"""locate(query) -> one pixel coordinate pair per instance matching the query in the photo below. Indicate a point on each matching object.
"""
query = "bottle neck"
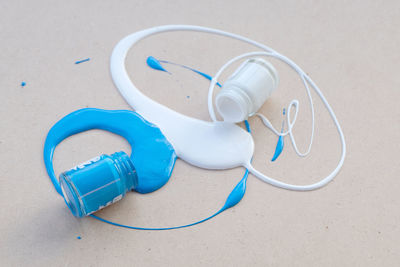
(233, 103)
(127, 169)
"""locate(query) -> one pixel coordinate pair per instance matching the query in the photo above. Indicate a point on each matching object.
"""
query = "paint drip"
(280, 144)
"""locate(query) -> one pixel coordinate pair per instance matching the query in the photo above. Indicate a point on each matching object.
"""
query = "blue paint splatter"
(79, 237)
(23, 84)
(81, 61)
(153, 63)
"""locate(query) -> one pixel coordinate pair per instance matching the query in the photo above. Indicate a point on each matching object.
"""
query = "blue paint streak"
(234, 198)
(23, 84)
(208, 77)
(152, 155)
(153, 229)
(153, 63)
(205, 75)
(81, 61)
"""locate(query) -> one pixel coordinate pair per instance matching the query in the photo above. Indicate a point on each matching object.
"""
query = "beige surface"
(350, 48)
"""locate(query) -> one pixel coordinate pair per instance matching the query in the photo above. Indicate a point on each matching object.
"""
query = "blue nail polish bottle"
(97, 183)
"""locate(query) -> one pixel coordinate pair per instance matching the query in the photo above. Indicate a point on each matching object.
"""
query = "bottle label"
(86, 163)
(117, 198)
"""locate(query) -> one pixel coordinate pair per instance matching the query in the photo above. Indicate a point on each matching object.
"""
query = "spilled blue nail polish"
(153, 63)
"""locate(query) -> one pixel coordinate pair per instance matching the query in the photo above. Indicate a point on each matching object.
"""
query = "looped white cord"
(268, 124)
(290, 123)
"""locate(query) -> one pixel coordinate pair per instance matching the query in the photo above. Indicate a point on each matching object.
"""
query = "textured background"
(349, 48)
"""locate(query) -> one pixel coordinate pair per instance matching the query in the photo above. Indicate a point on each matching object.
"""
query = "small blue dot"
(79, 237)
(23, 84)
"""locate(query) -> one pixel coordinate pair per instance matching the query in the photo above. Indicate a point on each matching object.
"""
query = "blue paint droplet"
(278, 149)
(153, 63)
(188, 96)
(237, 193)
(23, 84)
(284, 111)
(79, 237)
(81, 61)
